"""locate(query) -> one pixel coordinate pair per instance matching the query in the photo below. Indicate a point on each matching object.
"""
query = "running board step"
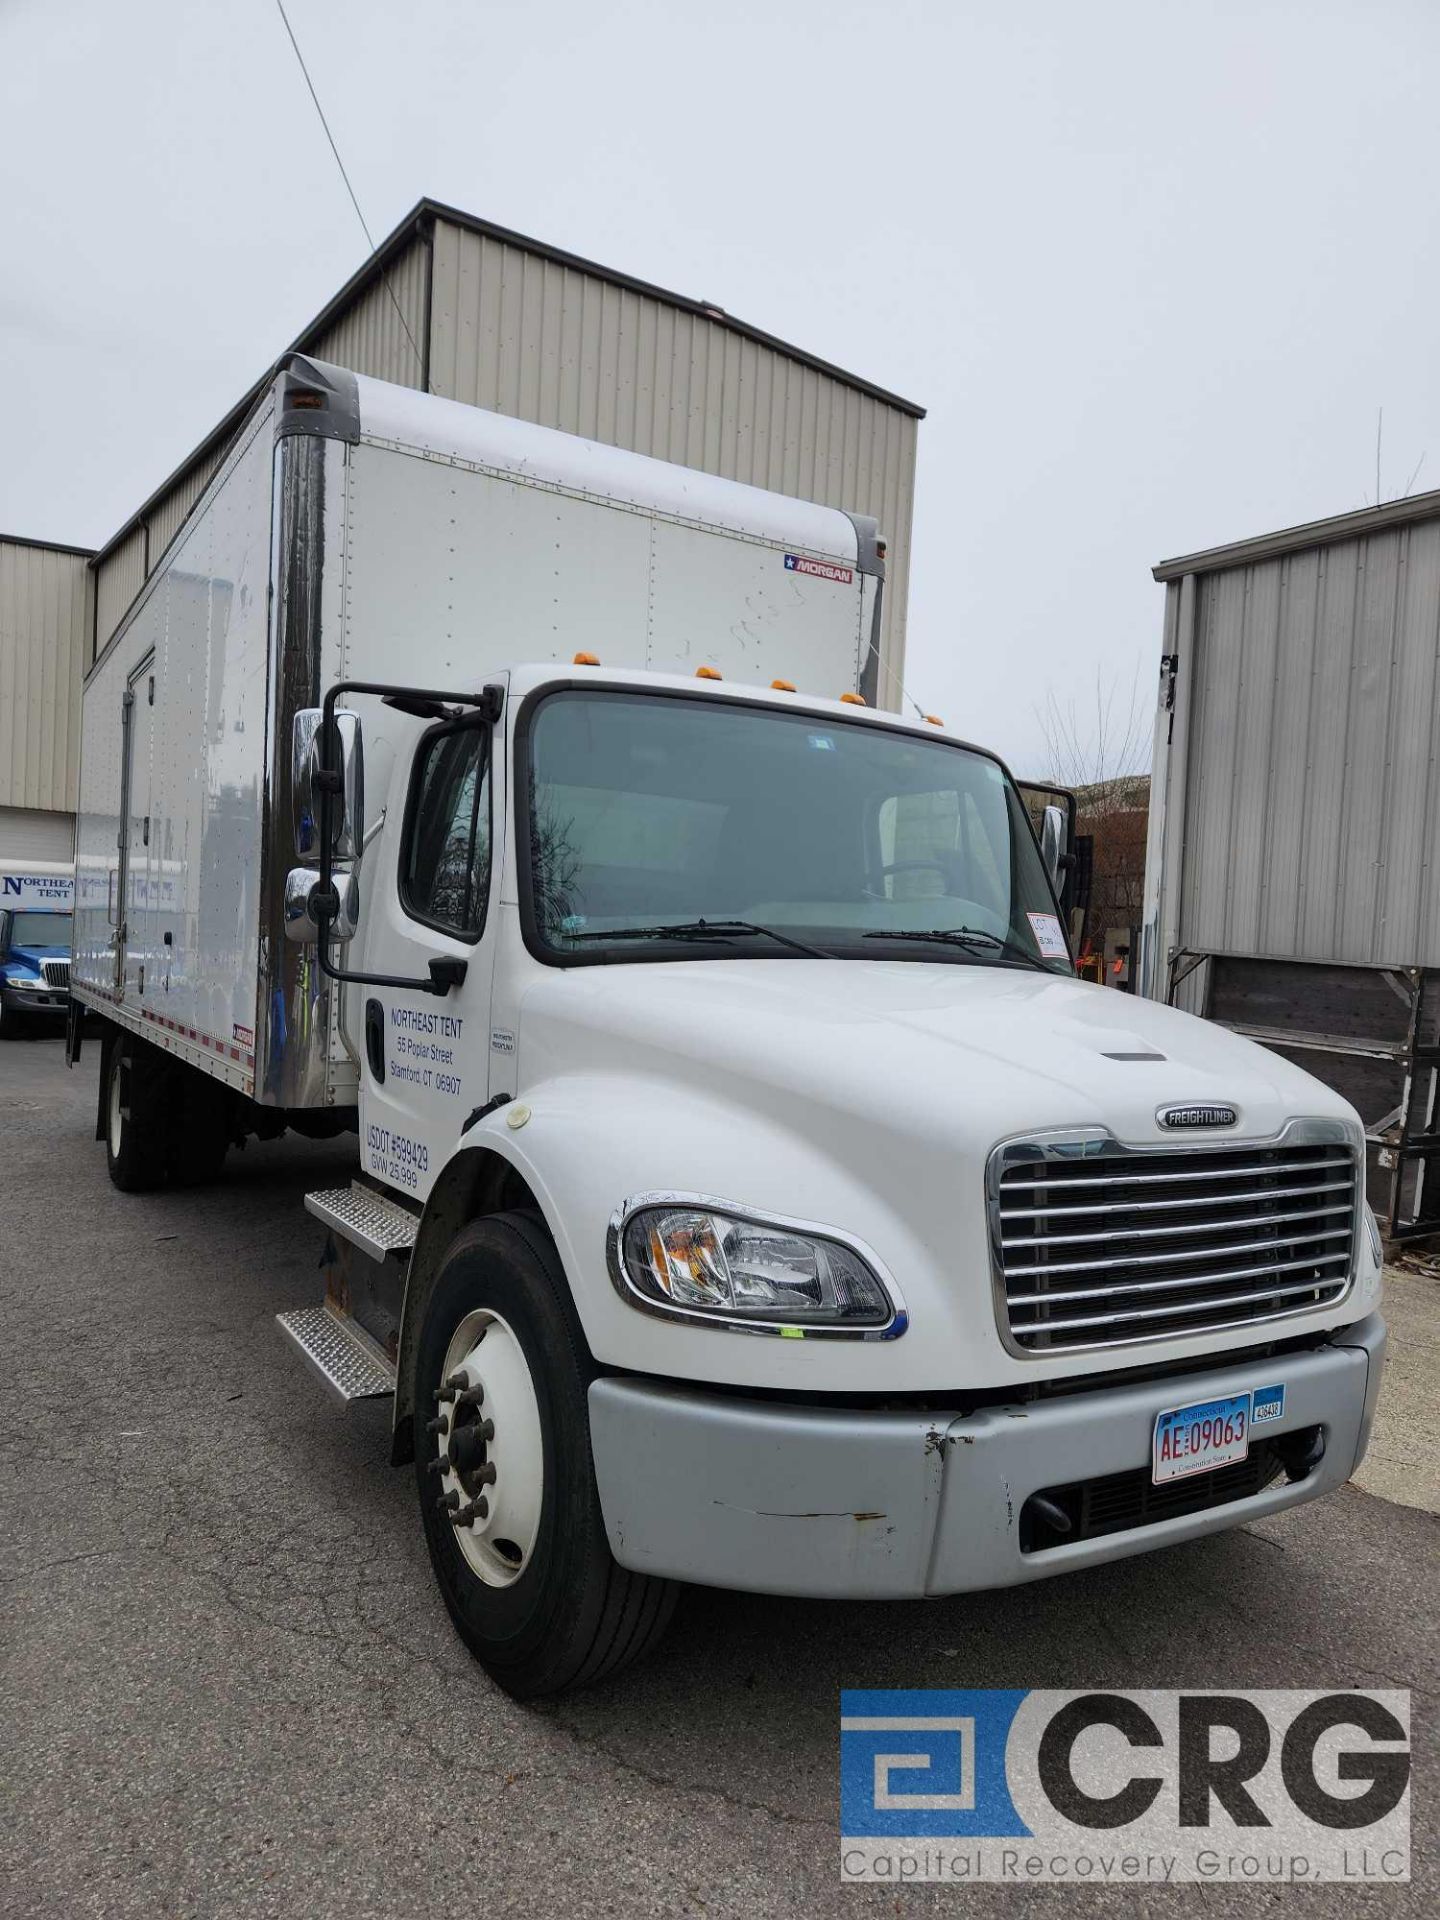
(366, 1219)
(349, 1362)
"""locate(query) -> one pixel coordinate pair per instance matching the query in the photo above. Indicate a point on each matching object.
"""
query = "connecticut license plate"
(1212, 1433)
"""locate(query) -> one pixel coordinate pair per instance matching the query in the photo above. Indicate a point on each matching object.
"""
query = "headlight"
(698, 1261)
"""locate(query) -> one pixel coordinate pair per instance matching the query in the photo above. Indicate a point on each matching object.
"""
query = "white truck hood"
(977, 1051)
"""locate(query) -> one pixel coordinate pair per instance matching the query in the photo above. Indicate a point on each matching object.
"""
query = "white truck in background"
(746, 1191)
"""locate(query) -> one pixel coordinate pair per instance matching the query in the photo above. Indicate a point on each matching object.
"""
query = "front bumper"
(37, 1000)
(766, 1497)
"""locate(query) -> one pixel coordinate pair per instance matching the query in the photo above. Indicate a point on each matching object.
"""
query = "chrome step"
(349, 1362)
(366, 1219)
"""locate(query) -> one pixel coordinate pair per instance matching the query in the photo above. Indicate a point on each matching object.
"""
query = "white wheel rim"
(496, 1514)
(115, 1116)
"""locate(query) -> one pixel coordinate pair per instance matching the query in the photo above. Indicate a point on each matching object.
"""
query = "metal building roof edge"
(1311, 533)
(419, 220)
(46, 546)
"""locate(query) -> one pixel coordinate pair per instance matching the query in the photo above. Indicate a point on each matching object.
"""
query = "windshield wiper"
(972, 937)
(700, 930)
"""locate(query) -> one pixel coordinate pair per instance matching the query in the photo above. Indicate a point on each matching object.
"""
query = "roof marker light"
(854, 699)
(933, 720)
(708, 673)
(587, 660)
(783, 686)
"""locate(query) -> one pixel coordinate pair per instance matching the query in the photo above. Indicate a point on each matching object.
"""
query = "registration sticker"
(1212, 1433)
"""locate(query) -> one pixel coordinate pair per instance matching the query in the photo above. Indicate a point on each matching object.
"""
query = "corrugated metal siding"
(118, 578)
(1313, 804)
(43, 628)
(544, 341)
(168, 515)
(371, 337)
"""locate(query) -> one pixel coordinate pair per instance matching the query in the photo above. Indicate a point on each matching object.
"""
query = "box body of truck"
(746, 1190)
(388, 535)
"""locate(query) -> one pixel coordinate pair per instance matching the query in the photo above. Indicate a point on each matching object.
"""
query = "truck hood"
(29, 958)
(973, 1052)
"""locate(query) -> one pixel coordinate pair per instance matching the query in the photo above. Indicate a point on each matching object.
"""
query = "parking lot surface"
(228, 1685)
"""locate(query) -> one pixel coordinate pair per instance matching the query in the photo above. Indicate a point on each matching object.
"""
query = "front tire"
(507, 1487)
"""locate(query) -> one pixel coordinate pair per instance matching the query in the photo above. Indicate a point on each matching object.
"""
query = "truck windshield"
(649, 815)
(39, 930)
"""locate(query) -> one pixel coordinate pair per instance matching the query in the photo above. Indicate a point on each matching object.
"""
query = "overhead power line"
(354, 201)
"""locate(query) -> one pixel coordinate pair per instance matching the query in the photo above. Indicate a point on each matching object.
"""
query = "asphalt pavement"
(228, 1686)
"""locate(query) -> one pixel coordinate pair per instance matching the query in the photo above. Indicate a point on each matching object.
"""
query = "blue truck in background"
(35, 918)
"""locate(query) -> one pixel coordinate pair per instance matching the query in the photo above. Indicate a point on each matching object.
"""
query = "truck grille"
(56, 972)
(1102, 1249)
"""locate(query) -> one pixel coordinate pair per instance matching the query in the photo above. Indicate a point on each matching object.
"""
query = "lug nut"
(486, 1474)
(471, 1397)
(440, 1425)
(448, 1502)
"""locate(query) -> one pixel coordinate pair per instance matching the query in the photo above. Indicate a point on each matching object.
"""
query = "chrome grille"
(1095, 1246)
(56, 972)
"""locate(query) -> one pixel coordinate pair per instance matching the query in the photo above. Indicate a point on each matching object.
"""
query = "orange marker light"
(854, 699)
(783, 686)
(708, 673)
(933, 720)
(587, 660)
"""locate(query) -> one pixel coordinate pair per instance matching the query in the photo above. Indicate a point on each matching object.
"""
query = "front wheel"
(507, 1488)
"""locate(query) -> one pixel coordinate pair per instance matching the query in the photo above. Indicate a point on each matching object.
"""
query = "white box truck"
(746, 1190)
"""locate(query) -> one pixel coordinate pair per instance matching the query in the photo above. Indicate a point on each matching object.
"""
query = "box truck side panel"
(172, 773)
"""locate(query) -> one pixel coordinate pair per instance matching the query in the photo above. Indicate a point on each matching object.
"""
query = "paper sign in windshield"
(1048, 937)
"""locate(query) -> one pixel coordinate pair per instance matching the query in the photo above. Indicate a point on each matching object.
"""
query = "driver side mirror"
(347, 804)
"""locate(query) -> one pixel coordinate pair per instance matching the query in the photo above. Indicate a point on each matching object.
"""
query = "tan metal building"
(457, 306)
(45, 622)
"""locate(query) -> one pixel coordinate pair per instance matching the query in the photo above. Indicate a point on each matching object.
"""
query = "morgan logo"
(1197, 1116)
(822, 569)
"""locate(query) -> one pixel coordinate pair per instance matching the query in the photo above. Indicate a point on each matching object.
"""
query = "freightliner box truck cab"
(746, 1191)
(35, 903)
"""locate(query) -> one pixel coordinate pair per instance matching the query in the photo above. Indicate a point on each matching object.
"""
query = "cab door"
(426, 1056)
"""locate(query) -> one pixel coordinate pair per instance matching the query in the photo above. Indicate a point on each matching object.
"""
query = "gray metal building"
(1293, 865)
(457, 306)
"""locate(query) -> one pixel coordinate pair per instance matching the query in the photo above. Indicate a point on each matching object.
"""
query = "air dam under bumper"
(765, 1497)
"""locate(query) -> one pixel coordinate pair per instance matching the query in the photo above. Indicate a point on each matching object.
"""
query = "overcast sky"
(1152, 268)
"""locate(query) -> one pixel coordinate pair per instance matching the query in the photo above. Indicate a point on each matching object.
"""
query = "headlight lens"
(713, 1263)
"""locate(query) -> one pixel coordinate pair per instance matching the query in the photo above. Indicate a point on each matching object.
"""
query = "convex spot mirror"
(301, 925)
(347, 806)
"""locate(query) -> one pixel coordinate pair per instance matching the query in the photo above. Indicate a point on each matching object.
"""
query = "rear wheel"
(507, 1489)
(135, 1116)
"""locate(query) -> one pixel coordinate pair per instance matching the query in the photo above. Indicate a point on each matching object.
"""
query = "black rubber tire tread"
(139, 1166)
(198, 1133)
(575, 1616)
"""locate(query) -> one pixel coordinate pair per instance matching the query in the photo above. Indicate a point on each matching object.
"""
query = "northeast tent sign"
(29, 892)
